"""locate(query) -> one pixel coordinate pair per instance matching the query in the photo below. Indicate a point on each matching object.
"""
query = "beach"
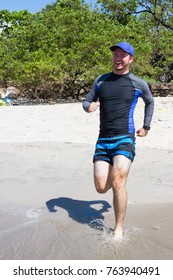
(49, 208)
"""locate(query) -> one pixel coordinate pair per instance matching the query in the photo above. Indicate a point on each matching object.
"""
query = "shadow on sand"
(81, 211)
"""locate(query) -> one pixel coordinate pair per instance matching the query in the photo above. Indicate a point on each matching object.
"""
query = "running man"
(116, 93)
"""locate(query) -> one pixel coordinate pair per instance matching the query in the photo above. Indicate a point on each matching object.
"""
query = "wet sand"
(49, 208)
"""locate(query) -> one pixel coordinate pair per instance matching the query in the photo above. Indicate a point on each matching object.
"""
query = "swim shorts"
(107, 148)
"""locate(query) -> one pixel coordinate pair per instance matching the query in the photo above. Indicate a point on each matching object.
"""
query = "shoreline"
(47, 187)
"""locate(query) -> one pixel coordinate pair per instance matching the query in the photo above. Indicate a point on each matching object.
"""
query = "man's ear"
(131, 59)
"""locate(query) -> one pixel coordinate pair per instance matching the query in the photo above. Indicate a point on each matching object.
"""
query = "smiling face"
(121, 61)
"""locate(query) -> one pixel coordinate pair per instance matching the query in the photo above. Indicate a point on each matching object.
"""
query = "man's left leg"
(120, 170)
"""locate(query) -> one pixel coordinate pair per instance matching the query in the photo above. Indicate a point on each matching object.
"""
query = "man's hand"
(93, 106)
(142, 132)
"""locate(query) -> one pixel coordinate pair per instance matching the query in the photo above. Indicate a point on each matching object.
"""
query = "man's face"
(121, 60)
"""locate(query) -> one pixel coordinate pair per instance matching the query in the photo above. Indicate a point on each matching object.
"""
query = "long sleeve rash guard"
(118, 96)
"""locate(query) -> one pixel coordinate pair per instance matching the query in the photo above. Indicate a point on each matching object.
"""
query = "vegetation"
(61, 49)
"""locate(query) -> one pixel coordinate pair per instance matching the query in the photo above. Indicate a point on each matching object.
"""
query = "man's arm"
(90, 103)
(148, 110)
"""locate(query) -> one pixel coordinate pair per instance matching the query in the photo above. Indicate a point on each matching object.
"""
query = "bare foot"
(118, 235)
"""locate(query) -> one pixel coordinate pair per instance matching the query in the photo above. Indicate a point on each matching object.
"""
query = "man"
(116, 93)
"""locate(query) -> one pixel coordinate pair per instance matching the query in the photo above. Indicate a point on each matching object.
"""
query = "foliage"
(66, 45)
(161, 11)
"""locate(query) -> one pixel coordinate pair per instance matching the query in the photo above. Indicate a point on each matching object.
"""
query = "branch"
(160, 21)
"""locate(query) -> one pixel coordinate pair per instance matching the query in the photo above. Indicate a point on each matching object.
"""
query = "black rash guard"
(118, 96)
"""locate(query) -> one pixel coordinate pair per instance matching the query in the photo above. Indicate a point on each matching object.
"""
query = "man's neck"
(120, 73)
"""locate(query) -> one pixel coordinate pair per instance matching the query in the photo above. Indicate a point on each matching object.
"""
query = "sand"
(49, 208)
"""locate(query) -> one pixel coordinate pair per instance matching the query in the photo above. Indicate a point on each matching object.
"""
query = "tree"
(64, 47)
(160, 10)
(156, 18)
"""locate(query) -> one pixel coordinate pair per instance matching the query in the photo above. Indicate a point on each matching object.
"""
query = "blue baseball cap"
(124, 46)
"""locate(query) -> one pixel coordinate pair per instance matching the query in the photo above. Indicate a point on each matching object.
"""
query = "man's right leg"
(102, 176)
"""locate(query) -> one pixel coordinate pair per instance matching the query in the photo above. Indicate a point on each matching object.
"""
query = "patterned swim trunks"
(107, 148)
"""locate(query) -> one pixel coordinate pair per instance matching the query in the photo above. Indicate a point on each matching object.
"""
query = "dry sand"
(49, 208)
